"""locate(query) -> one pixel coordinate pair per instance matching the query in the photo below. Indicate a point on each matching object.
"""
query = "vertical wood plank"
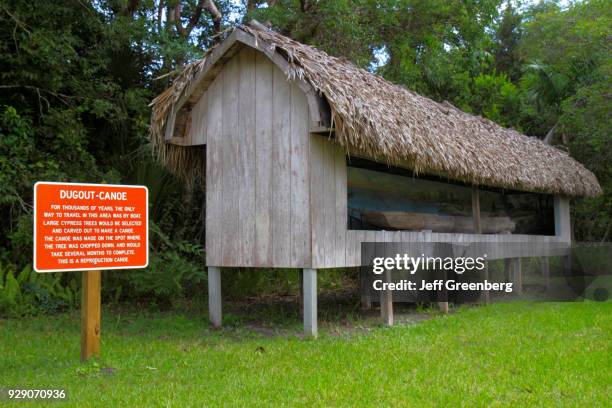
(246, 154)
(301, 254)
(349, 247)
(341, 207)
(329, 202)
(377, 238)
(363, 257)
(90, 314)
(214, 172)
(263, 153)
(280, 188)
(317, 156)
(230, 147)
(355, 253)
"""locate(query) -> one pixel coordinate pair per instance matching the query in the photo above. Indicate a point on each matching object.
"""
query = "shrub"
(29, 293)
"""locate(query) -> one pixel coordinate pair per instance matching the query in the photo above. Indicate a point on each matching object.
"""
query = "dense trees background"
(76, 78)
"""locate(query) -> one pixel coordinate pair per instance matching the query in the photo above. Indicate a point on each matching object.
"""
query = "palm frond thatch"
(390, 123)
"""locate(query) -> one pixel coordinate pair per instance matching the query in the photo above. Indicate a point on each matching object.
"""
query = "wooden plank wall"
(214, 172)
(258, 175)
(328, 202)
(277, 195)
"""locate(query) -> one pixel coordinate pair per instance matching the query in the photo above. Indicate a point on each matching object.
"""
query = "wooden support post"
(90, 314)
(301, 279)
(508, 270)
(364, 290)
(476, 210)
(214, 296)
(386, 301)
(546, 272)
(486, 295)
(517, 276)
(310, 302)
(443, 306)
(567, 265)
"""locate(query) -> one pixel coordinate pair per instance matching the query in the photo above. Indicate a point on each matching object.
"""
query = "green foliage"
(586, 116)
(494, 97)
(176, 269)
(76, 82)
(176, 262)
(508, 34)
(568, 86)
(28, 293)
(16, 146)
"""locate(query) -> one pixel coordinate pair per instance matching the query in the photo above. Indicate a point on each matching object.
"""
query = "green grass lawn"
(506, 354)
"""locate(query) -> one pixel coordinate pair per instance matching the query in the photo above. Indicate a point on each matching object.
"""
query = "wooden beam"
(169, 130)
(90, 314)
(386, 301)
(214, 296)
(310, 302)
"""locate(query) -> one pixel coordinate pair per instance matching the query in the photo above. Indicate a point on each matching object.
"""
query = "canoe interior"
(372, 191)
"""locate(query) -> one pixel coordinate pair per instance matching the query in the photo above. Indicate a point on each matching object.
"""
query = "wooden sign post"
(90, 227)
(90, 314)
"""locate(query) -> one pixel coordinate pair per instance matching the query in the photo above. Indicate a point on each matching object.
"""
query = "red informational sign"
(81, 227)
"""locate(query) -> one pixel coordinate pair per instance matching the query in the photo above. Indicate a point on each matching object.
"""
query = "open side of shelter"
(281, 186)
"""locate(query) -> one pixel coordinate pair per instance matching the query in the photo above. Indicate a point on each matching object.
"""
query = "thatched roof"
(390, 123)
